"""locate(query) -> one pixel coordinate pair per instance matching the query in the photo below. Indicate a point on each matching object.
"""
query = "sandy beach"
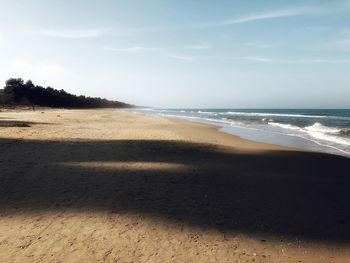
(112, 186)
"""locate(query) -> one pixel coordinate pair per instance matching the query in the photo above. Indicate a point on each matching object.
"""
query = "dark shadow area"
(279, 193)
(10, 123)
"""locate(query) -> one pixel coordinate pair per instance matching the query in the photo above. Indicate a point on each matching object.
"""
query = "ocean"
(314, 129)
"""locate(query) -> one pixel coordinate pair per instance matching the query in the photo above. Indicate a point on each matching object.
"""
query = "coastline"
(297, 129)
(221, 129)
(89, 184)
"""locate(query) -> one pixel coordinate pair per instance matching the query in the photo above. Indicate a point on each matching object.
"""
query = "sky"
(183, 54)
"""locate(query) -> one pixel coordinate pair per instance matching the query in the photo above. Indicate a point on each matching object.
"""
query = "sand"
(111, 186)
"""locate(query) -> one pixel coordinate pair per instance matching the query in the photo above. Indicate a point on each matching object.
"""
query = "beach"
(111, 186)
(317, 130)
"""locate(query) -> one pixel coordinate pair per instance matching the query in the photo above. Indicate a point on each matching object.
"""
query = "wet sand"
(109, 186)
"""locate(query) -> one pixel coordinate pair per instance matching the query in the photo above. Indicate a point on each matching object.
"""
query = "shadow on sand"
(12, 123)
(282, 194)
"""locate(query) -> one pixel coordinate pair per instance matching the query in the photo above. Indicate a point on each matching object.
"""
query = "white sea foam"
(263, 114)
(207, 112)
(320, 143)
(318, 127)
(322, 134)
(273, 114)
(318, 131)
(285, 126)
(147, 109)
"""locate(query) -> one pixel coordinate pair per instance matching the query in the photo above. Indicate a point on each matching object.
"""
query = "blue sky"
(238, 54)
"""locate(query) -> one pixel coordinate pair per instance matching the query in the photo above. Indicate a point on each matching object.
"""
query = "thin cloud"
(343, 44)
(268, 15)
(293, 61)
(198, 47)
(137, 49)
(262, 45)
(181, 57)
(1, 38)
(233, 21)
(317, 28)
(345, 32)
(330, 7)
(133, 49)
(257, 59)
(274, 14)
(71, 33)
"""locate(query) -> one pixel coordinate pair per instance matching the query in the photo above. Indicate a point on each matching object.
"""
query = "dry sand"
(108, 186)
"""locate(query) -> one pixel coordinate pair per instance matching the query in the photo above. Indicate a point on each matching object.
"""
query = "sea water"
(326, 130)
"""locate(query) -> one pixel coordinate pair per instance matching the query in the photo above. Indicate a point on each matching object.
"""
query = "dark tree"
(16, 92)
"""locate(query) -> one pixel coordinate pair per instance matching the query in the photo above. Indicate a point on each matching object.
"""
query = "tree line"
(18, 92)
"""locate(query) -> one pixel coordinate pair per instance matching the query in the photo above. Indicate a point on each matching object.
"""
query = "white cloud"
(181, 57)
(71, 33)
(1, 38)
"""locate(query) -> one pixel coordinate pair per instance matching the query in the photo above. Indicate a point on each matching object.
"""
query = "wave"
(285, 126)
(320, 132)
(266, 114)
(208, 112)
(146, 109)
(318, 127)
(326, 133)
(345, 132)
(320, 143)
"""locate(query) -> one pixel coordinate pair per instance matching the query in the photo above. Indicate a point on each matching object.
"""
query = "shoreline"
(107, 185)
(260, 133)
(221, 129)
